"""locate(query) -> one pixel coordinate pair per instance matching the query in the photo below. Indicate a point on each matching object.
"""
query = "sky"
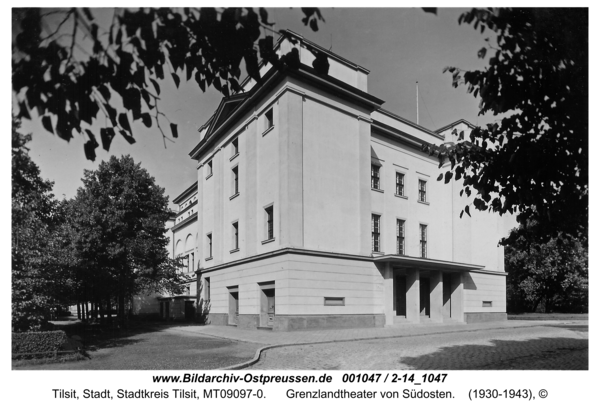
(399, 46)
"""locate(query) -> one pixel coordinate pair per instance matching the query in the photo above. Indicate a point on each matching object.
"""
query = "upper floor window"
(234, 181)
(235, 235)
(234, 147)
(375, 233)
(399, 184)
(423, 241)
(209, 245)
(400, 237)
(422, 191)
(269, 119)
(269, 222)
(375, 177)
(209, 169)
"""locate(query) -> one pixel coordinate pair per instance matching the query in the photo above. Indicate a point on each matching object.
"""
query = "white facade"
(304, 184)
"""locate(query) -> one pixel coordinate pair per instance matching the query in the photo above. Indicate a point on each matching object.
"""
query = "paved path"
(498, 345)
(509, 348)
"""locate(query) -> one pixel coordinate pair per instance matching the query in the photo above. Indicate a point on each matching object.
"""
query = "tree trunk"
(100, 311)
(78, 310)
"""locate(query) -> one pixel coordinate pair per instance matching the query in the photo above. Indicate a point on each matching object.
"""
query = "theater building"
(315, 207)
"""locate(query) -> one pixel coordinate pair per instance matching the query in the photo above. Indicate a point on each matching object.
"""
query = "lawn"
(151, 347)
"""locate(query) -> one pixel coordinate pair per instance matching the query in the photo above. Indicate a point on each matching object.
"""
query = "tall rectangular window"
(209, 245)
(399, 236)
(422, 191)
(269, 119)
(269, 220)
(375, 177)
(235, 181)
(234, 147)
(192, 263)
(423, 242)
(209, 168)
(375, 233)
(235, 236)
(399, 184)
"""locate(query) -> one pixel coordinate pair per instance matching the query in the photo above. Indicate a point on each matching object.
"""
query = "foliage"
(36, 343)
(118, 227)
(552, 275)
(534, 161)
(33, 221)
(71, 72)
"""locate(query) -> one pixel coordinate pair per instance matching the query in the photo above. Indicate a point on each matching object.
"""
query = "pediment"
(226, 107)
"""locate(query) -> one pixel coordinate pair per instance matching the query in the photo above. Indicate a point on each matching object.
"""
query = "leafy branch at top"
(70, 83)
(533, 161)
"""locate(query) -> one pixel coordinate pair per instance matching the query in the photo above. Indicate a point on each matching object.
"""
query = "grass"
(18, 363)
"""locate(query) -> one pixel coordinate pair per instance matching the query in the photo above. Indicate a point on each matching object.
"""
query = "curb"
(267, 347)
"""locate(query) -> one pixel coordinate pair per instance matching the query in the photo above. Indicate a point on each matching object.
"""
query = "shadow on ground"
(533, 354)
(95, 336)
(153, 347)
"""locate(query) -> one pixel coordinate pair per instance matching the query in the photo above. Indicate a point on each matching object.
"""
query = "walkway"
(270, 339)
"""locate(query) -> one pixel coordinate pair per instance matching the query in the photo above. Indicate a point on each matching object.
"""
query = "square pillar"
(413, 306)
(457, 310)
(291, 212)
(436, 296)
(388, 294)
(364, 184)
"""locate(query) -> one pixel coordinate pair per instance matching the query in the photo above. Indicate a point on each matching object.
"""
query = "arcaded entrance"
(400, 295)
(414, 295)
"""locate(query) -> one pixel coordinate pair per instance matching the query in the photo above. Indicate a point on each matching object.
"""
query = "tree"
(118, 223)
(552, 276)
(533, 161)
(68, 66)
(33, 220)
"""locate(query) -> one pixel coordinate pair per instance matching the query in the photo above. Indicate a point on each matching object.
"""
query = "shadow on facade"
(535, 354)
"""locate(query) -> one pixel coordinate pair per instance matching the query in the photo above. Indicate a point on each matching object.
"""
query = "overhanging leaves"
(93, 62)
(533, 161)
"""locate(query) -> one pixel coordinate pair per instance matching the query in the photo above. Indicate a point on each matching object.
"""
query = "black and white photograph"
(291, 205)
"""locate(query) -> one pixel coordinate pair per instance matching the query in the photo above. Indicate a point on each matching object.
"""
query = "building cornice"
(453, 124)
(404, 261)
(186, 209)
(393, 133)
(410, 123)
(186, 193)
(184, 223)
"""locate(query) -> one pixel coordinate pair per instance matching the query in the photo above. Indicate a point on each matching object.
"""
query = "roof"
(186, 193)
(410, 123)
(453, 124)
